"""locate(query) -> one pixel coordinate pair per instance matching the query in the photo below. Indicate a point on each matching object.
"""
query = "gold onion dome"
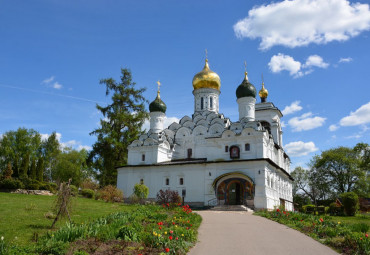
(206, 79)
(263, 93)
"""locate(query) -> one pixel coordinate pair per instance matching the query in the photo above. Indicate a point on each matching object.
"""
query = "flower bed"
(343, 237)
(171, 229)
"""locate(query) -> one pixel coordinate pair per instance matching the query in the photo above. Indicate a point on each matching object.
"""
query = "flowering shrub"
(350, 239)
(167, 196)
(110, 194)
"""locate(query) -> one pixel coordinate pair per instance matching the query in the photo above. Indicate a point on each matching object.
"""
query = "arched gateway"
(234, 189)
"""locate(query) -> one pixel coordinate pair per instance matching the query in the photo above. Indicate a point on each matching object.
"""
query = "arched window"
(143, 157)
(211, 102)
(226, 148)
(181, 181)
(167, 181)
(234, 152)
(266, 125)
(247, 147)
(201, 103)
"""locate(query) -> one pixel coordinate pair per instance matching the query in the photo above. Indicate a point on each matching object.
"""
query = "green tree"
(141, 191)
(25, 165)
(71, 164)
(7, 173)
(33, 171)
(50, 152)
(121, 125)
(40, 170)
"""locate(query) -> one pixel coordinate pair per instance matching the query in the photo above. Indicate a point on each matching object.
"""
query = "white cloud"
(333, 127)
(283, 124)
(315, 60)
(281, 62)
(57, 85)
(306, 122)
(294, 107)
(86, 147)
(359, 117)
(48, 80)
(297, 149)
(44, 137)
(345, 60)
(302, 22)
(167, 121)
(69, 144)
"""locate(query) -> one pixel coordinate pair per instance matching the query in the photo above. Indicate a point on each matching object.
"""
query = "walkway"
(243, 233)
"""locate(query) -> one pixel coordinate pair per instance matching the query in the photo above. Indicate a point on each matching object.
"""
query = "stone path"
(243, 233)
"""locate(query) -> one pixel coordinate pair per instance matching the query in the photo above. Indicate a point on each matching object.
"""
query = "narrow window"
(167, 181)
(181, 181)
(247, 147)
(190, 153)
(226, 148)
(211, 102)
(141, 181)
(201, 103)
(143, 157)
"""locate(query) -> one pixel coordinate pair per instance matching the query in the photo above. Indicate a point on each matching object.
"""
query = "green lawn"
(21, 216)
(359, 218)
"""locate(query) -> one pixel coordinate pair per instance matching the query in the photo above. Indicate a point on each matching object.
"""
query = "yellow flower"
(159, 235)
(182, 234)
(338, 222)
(175, 226)
(165, 233)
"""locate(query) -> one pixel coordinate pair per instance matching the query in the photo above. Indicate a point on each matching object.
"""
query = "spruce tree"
(25, 165)
(8, 171)
(121, 125)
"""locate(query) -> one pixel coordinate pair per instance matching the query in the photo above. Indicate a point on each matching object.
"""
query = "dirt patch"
(112, 247)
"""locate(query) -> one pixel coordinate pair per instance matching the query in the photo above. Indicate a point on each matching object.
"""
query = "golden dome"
(263, 93)
(206, 79)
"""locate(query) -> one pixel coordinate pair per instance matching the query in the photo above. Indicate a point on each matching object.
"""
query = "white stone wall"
(246, 108)
(206, 94)
(198, 179)
(156, 121)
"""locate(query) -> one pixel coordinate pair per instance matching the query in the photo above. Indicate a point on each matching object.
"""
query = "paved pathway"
(243, 233)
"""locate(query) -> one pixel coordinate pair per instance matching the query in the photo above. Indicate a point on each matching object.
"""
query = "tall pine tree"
(121, 125)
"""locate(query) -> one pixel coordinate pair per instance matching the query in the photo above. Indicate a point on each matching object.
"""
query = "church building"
(209, 159)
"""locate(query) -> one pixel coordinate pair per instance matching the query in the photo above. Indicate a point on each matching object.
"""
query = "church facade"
(209, 159)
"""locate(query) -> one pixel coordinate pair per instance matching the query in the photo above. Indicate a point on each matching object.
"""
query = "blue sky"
(314, 56)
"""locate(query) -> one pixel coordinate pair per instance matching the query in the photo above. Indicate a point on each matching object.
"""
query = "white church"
(209, 159)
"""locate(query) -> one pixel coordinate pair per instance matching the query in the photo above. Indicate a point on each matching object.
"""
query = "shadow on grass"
(39, 226)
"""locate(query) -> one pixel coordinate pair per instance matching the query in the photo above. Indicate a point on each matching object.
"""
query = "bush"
(350, 203)
(168, 196)
(48, 186)
(88, 193)
(110, 194)
(308, 208)
(334, 209)
(74, 190)
(11, 184)
(89, 184)
(141, 191)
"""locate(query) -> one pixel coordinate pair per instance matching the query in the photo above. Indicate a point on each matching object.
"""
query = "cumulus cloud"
(57, 85)
(297, 149)
(281, 62)
(69, 144)
(333, 127)
(345, 60)
(50, 83)
(167, 121)
(359, 117)
(302, 22)
(294, 107)
(315, 60)
(306, 122)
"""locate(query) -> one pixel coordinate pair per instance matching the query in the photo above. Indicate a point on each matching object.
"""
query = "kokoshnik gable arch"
(212, 159)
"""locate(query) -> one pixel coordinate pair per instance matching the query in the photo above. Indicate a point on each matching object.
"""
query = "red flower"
(278, 210)
(168, 204)
(302, 220)
(160, 227)
(321, 220)
(167, 249)
(177, 238)
(366, 235)
(191, 225)
(187, 228)
(171, 231)
(170, 237)
(173, 223)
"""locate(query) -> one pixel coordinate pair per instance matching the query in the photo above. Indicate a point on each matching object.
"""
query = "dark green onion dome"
(246, 89)
(157, 105)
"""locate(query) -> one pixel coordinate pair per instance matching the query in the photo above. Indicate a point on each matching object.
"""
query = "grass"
(359, 218)
(23, 216)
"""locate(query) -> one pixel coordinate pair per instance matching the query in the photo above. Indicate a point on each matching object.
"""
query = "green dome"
(157, 105)
(246, 89)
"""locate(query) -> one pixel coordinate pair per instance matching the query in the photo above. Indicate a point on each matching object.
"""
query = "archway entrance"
(234, 189)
